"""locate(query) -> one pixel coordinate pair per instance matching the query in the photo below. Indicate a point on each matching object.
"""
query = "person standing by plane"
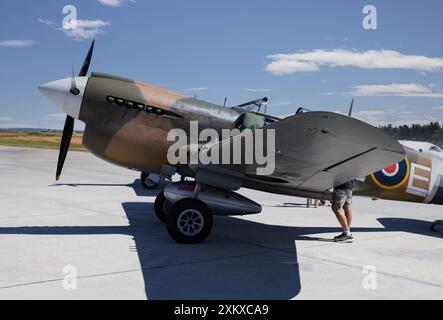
(342, 208)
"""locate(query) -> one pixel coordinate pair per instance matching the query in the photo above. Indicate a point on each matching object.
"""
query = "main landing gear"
(187, 208)
(187, 221)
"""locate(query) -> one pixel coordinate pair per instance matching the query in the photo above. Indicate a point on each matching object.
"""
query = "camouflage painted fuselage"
(418, 178)
(127, 124)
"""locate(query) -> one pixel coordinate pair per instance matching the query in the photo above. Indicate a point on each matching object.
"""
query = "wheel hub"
(190, 222)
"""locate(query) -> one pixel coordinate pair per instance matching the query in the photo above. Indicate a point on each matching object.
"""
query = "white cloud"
(196, 89)
(6, 119)
(395, 89)
(47, 22)
(81, 34)
(113, 3)
(50, 121)
(17, 43)
(394, 116)
(374, 117)
(417, 120)
(438, 108)
(309, 61)
(18, 125)
(86, 29)
(410, 122)
(9, 122)
(257, 90)
(280, 104)
(282, 66)
(90, 24)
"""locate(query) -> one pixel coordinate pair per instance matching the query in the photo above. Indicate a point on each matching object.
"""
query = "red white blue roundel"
(393, 176)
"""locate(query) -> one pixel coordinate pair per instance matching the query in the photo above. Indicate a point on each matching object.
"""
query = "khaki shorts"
(340, 197)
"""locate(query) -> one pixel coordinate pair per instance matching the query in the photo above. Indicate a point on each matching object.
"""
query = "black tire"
(161, 207)
(186, 209)
(146, 182)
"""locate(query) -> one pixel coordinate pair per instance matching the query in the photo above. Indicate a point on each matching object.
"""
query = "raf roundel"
(393, 176)
(392, 170)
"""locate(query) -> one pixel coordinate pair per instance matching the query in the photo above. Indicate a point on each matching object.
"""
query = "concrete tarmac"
(94, 236)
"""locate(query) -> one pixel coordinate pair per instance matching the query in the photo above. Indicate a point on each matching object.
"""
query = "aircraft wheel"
(161, 207)
(189, 221)
(147, 182)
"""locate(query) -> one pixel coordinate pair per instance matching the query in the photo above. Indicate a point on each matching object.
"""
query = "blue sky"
(314, 54)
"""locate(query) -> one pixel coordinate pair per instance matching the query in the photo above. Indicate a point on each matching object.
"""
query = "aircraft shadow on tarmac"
(136, 185)
(240, 260)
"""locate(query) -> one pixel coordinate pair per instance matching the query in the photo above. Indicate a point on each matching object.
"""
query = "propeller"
(74, 90)
(69, 122)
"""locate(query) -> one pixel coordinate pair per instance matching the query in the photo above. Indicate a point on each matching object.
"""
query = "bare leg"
(348, 213)
(341, 217)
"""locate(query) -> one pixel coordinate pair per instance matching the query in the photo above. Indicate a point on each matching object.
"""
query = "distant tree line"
(431, 132)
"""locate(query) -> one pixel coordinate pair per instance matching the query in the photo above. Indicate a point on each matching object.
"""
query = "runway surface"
(96, 231)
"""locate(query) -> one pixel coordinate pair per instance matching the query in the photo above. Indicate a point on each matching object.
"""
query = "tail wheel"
(161, 207)
(147, 182)
(189, 221)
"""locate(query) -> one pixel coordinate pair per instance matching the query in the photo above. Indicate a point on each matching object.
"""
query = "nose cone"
(59, 93)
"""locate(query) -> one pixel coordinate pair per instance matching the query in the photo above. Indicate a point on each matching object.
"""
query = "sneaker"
(343, 238)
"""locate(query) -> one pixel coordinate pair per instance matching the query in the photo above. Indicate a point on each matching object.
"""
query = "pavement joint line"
(135, 270)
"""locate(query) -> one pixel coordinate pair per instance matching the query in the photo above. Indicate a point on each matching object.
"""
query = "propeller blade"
(74, 90)
(64, 146)
(87, 62)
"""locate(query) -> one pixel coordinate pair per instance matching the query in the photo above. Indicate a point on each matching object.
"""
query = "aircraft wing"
(316, 151)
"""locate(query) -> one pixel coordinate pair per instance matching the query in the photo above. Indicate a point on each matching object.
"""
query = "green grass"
(43, 140)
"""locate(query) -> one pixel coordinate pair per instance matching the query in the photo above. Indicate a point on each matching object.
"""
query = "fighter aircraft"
(127, 124)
